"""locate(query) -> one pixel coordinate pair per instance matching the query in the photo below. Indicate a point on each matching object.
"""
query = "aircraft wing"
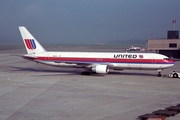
(78, 63)
(24, 56)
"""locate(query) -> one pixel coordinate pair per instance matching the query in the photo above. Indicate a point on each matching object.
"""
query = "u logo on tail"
(30, 44)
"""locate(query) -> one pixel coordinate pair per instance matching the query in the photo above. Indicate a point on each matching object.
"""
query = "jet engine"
(101, 69)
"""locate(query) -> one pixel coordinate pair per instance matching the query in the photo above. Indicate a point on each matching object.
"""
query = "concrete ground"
(30, 91)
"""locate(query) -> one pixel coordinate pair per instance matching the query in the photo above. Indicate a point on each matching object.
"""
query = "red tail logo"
(30, 44)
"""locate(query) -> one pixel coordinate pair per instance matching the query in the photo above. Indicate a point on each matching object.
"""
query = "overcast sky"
(87, 21)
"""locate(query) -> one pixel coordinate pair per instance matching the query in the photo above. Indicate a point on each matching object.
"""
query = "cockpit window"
(166, 59)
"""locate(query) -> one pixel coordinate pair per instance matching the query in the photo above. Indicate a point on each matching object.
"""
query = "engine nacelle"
(101, 69)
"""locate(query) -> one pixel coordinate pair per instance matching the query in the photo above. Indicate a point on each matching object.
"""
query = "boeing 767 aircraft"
(93, 62)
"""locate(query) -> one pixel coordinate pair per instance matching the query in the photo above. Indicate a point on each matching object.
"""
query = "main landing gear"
(85, 73)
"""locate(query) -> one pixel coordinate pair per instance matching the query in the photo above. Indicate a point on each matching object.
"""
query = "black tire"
(175, 75)
(82, 73)
(85, 73)
(159, 75)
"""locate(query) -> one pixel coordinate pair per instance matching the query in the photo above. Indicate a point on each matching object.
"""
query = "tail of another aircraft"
(31, 44)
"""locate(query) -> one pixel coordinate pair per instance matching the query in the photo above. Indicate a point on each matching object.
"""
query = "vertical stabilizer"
(31, 44)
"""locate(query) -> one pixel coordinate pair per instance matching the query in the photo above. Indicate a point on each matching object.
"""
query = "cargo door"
(135, 65)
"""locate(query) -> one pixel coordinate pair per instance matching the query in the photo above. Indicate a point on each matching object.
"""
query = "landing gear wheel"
(85, 73)
(159, 74)
(175, 75)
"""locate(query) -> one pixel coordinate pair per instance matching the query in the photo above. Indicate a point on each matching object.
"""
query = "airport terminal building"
(169, 47)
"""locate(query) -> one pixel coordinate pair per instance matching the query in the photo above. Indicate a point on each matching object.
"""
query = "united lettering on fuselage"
(125, 56)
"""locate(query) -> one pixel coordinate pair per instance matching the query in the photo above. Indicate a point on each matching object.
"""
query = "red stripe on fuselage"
(58, 59)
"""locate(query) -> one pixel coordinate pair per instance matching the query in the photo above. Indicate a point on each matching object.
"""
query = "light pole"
(151, 35)
(174, 24)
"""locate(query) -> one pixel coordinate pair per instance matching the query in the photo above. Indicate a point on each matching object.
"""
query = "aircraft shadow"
(55, 71)
(42, 70)
(77, 72)
(130, 73)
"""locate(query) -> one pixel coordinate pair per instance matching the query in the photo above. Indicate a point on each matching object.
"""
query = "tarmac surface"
(30, 91)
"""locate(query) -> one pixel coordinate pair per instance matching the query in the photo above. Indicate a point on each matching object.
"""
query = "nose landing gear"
(159, 73)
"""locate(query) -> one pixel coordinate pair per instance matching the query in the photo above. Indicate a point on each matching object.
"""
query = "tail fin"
(31, 44)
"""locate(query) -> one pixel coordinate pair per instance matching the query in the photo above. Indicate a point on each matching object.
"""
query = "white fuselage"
(113, 60)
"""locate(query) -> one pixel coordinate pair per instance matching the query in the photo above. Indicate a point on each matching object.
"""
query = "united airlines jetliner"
(93, 62)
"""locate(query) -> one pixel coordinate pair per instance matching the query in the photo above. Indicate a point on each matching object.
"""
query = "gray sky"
(87, 21)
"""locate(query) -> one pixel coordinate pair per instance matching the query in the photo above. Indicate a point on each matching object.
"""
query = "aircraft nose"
(172, 64)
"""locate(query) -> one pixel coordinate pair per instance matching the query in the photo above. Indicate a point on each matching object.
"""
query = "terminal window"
(173, 45)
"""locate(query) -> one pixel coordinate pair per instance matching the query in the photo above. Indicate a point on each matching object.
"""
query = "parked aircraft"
(92, 62)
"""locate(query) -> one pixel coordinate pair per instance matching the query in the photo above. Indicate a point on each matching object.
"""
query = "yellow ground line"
(16, 78)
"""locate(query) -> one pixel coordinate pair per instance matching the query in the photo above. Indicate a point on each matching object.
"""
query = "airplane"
(133, 49)
(93, 62)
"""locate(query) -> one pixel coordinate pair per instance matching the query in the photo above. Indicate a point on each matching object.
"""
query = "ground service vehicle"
(174, 74)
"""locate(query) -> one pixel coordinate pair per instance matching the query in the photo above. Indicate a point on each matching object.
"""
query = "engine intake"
(101, 69)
